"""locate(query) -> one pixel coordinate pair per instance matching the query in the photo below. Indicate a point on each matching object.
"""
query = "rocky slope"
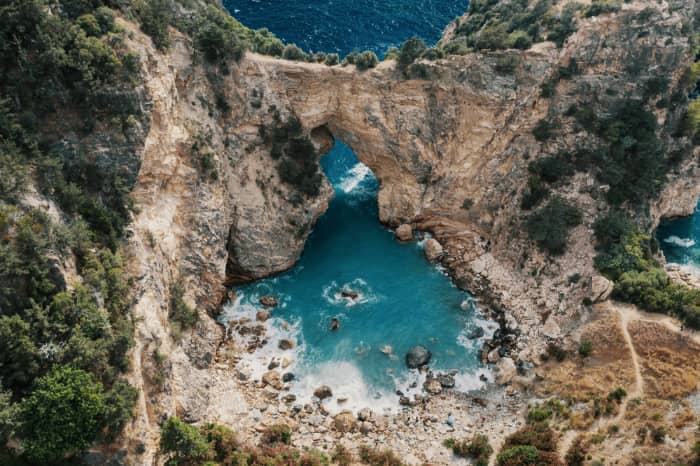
(212, 208)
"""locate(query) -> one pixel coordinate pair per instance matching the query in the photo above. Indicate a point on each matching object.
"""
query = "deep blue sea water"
(343, 25)
(402, 299)
(680, 240)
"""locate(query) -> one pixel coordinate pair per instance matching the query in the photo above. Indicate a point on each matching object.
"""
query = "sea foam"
(681, 242)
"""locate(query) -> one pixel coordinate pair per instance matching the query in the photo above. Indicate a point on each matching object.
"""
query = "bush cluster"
(534, 444)
(298, 160)
(63, 348)
(493, 25)
(627, 257)
(476, 448)
(549, 225)
(188, 445)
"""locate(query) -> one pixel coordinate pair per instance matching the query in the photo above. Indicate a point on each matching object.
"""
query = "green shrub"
(375, 457)
(9, 412)
(538, 415)
(552, 168)
(576, 455)
(222, 440)
(519, 40)
(585, 349)
(182, 442)
(599, 7)
(155, 16)
(543, 130)
(292, 52)
(180, 311)
(61, 415)
(332, 59)
(476, 448)
(221, 38)
(366, 60)
(564, 24)
(434, 53)
(278, 433)
(536, 191)
(342, 456)
(297, 157)
(411, 50)
(519, 455)
(549, 226)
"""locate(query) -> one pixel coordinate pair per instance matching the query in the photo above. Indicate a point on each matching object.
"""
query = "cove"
(680, 240)
(401, 301)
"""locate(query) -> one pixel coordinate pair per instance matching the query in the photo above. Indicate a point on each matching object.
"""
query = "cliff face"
(450, 150)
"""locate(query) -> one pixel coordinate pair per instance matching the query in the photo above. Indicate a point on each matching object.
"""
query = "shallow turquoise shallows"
(680, 240)
(402, 300)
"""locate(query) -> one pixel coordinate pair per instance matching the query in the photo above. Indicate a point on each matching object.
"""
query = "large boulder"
(601, 288)
(262, 315)
(506, 371)
(344, 422)
(432, 386)
(433, 250)
(272, 378)
(418, 356)
(404, 232)
(323, 392)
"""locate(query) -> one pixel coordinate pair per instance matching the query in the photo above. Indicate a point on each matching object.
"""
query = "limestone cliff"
(450, 150)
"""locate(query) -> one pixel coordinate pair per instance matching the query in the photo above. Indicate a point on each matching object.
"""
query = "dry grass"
(669, 361)
(608, 367)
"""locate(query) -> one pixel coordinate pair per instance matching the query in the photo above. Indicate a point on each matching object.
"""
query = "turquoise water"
(402, 300)
(680, 240)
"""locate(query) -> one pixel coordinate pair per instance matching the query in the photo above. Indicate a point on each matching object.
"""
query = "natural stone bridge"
(432, 143)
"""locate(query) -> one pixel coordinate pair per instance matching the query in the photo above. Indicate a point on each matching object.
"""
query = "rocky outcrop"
(433, 250)
(404, 232)
(418, 356)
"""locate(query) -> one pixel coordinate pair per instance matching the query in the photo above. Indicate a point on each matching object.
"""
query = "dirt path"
(626, 314)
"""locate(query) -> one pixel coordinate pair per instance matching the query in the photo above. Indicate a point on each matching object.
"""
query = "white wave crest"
(681, 242)
(356, 175)
(349, 294)
(347, 383)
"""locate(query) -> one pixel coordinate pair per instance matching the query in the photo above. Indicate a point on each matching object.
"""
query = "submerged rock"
(476, 333)
(418, 356)
(433, 250)
(350, 294)
(446, 380)
(287, 377)
(323, 392)
(285, 344)
(269, 301)
(404, 232)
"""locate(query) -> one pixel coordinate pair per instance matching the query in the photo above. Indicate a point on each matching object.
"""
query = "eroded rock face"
(465, 133)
